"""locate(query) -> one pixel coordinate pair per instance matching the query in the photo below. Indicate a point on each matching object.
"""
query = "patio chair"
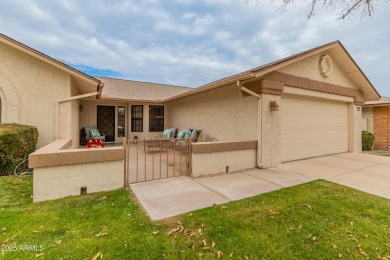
(160, 138)
(185, 134)
(90, 133)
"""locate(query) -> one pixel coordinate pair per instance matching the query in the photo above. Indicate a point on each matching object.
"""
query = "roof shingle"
(138, 91)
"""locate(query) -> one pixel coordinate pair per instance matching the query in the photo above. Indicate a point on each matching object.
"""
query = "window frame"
(156, 117)
(137, 128)
(118, 115)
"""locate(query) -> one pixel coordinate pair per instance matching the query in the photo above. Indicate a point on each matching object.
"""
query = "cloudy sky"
(190, 42)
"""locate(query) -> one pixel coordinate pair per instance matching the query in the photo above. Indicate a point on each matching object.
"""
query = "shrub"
(16, 143)
(367, 141)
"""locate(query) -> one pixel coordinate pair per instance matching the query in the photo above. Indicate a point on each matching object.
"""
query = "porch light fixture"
(135, 139)
(274, 106)
(81, 108)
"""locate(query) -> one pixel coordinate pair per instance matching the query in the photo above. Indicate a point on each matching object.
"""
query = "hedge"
(367, 141)
(16, 143)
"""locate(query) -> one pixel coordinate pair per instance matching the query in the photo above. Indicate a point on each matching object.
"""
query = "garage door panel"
(306, 122)
(305, 134)
(313, 128)
(312, 141)
(297, 153)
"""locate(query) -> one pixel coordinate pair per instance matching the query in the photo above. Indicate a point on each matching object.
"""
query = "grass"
(315, 220)
(378, 152)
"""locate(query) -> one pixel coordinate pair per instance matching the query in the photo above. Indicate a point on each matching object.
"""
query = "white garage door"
(313, 128)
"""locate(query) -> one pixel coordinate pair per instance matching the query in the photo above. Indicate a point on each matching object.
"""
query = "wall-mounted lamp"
(274, 106)
(81, 108)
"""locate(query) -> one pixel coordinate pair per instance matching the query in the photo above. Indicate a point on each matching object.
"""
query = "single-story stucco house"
(376, 120)
(302, 106)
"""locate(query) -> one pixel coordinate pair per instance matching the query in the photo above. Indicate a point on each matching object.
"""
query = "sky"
(191, 42)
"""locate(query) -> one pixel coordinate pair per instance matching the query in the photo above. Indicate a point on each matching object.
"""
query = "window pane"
(137, 118)
(156, 118)
(121, 121)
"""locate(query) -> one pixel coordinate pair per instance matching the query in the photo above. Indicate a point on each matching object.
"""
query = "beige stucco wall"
(31, 90)
(269, 154)
(3, 104)
(214, 163)
(61, 181)
(222, 113)
(355, 128)
(368, 119)
(308, 68)
(88, 116)
(69, 121)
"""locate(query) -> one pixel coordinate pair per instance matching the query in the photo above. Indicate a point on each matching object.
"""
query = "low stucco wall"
(60, 172)
(212, 158)
(62, 181)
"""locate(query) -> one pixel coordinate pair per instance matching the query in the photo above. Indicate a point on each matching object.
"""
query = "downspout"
(259, 125)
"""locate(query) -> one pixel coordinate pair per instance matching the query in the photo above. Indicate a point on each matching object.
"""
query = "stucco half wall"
(221, 157)
(60, 172)
(66, 180)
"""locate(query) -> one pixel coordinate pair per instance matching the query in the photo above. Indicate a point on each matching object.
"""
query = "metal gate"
(154, 159)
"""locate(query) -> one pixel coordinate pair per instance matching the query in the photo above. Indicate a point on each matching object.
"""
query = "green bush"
(16, 143)
(367, 141)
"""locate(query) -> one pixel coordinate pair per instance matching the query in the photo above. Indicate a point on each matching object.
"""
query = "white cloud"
(189, 42)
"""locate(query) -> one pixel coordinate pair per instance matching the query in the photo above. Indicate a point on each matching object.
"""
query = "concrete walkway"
(174, 196)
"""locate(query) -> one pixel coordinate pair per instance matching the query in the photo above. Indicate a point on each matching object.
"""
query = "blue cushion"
(183, 133)
(94, 133)
(167, 133)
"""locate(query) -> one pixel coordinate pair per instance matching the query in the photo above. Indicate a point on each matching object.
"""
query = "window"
(137, 118)
(121, 121)
(156, 118)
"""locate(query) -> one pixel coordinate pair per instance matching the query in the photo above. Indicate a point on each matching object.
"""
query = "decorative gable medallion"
(325, 66)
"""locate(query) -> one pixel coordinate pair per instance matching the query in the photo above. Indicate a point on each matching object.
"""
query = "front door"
(106, 122)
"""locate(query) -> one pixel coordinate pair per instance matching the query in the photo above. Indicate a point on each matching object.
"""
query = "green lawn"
(310, 221)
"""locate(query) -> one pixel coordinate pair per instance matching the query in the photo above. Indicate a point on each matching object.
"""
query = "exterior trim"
(264, 87)
(288, 91)
(309, 84)
(53, 155)
(214, 147)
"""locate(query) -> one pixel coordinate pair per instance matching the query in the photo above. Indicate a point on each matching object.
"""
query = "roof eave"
(211, 86)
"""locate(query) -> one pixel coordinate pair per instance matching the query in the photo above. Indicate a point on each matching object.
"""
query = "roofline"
(156, 101)
(213, 85)
(262, 70)
(46, 58)
(360, 70)
(377, 105)
(161, 84)
(269, 67)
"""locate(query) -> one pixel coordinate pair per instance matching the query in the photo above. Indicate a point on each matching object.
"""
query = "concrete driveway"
(365, 172)
(174, 196)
